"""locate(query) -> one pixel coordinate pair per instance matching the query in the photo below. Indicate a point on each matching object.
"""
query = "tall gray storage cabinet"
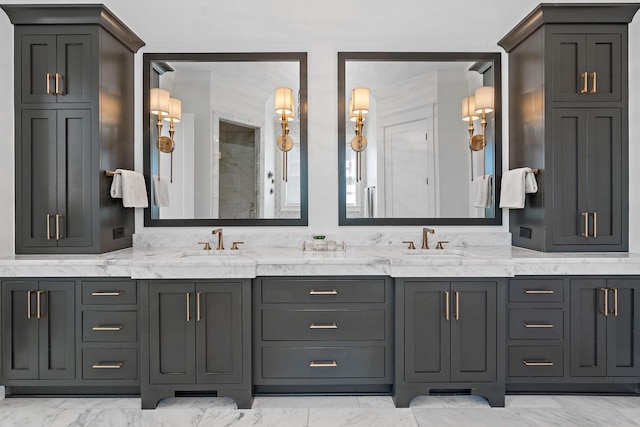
(568, 117)
(74, 119)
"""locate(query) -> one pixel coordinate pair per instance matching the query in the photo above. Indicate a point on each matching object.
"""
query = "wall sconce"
(484, 105)
(284, 106)
(168, 145)
(159, 103)
(358, 109)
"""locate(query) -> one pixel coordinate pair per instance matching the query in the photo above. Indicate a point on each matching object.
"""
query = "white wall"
(322, 29)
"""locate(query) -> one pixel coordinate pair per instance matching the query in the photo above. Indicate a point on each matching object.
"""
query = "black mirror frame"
(490, 58)
(301, 58)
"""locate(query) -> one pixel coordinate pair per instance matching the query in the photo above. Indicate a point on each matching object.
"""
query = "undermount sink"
(436, 253)
(212, 253)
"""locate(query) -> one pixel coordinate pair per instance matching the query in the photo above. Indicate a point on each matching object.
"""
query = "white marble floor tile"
(197, 402)
(264, 417)
(579, 417)
(361, 417)
(468, 417)
(531, 401)
(115, 418)
(632, 414)
(305, 402)
(171, 417)
(101, 403)
(375, 402)
(32, 402)
(598, 401)
(23, 416)
(461, 401)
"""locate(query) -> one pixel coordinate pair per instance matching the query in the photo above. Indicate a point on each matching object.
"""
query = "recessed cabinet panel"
(74, 68)
(38, 67)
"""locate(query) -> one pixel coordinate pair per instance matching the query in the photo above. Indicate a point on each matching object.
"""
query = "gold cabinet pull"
(323, 364)
(58, 218)
(39, 304)
(605, 291)
(58, 78)
(446, 305)
(188, 306)
(593, 86)
(106, 293)
(323, 326)
(48, 226)
(595, 224)
(323, 292)
(538, 291)
(29, 304)
(584, 82)
(537, 325)
(457, 313)
(49, 77)
(108, 365)
(541, 363)
(198, 314)
(615, 302)
(586, 224)
(108, 328)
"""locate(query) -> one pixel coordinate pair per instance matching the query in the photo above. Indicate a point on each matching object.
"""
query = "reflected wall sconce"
(484, 105)
(168, 145)
(284, 106)
(358, 109)
(164, 106)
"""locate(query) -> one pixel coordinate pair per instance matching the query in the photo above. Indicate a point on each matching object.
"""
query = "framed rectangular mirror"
(407, 154)
(221, 154)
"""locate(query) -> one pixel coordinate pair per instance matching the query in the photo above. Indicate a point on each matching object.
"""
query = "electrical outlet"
(525, 232)
(118, 233)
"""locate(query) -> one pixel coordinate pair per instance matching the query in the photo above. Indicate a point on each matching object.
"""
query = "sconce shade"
(484, 99)
(175, 110)
(469, 109)
(284, 100)
(292, 115)
(360, 98)
(159, 101)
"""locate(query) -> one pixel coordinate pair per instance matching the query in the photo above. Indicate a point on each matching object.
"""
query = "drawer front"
(536, 361)
(531, 290)
(322, 290)
(109, 326)
(109, 292)
(307, 325)
(536, 324)
(323, 362)
(109, 363)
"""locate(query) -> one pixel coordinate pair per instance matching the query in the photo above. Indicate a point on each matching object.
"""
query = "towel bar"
(110, 173)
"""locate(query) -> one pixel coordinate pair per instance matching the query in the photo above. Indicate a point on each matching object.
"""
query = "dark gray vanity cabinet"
(605, 327)
(568, 88)
(38, 330)
(196, 336)
(74, 120)
(323, 334)
(449, 336)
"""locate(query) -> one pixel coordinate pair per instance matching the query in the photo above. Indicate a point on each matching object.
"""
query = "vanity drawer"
(110, 363)
(536, 324)
(109, 292)
(323, 362)
(307, 325)
(529, 361)
(283, 290)
(534, 290)
(109, 326)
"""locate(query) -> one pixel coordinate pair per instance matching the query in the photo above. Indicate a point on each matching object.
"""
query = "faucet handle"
(207, 246)
(234, 245)
(439, 244)
(411, 245)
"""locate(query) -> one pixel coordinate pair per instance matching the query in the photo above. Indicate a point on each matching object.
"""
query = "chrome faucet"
(218, 232)
(425, 239)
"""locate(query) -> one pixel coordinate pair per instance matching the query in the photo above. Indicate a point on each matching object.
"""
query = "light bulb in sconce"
(284, 106)
(358, 109)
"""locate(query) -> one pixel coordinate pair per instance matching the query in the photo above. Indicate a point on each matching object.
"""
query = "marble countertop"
(394, 261)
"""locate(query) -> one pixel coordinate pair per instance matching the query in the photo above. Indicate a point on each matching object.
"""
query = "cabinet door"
(19, 330)
(474, 331)
(56, 326)
(73, 61)
(172, 333)
(604, 67)
(427, 332)
(569, 78)
(38, 68)
(74, 178)
(218, 333)
(588, 327)
(38, 184)
(623, 329)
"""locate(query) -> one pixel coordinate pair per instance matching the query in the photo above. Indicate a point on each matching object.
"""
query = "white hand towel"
(483, 191)
(160, 192)
(129, 186)
(515, 183)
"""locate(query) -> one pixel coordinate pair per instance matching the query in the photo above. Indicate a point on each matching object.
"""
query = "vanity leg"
(150, 398)
(243, 398)
(494, 396)
(402, 398)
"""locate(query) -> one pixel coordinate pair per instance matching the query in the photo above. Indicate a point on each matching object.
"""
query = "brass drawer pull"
(538, 291)
(108, 365)
(40, 314)
(29, 304)
(446, 305)
(324, 292)
(543, 363)
(584, 89)
(605, 311)
(323, 364)
(58, 78)
(106, 293)
(49, 226)
(323, 326)
(108, 328)
(594, 87)
(538, 325)
(49, 91)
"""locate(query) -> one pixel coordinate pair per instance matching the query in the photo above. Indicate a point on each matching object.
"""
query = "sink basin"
(436, 253)
(211, 253)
